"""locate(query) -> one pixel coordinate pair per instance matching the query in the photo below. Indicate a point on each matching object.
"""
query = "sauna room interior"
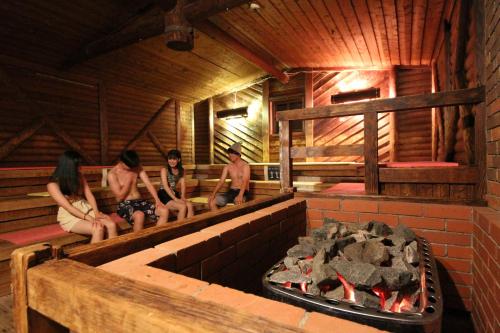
(363, 122)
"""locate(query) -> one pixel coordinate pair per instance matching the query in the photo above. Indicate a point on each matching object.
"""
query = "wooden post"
(11, 144)
(103, 123)
(154, 140)
(265, 121)
(434, 126)
(393, 134)
(211, 129)
(371, 152)
(309, 124)
(178, 125)
(285, 160)
(450, 113)
(193, 143)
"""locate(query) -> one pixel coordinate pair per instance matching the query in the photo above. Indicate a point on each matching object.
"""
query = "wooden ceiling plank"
(380, 29)
(362, 16)
(391, 24)
(352, 23)
(404, 12)
(439, 43)
(435, 10)
(418, 29)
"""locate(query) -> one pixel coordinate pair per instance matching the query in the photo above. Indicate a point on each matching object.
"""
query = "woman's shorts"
(67, 220)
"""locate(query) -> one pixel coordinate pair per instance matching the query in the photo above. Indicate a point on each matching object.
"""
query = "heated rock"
(337, 293)
(331, 227)
(366, 299)
(313, 289)
(390, 300)
(290, 262)
(375, 253)
(322, 273)
(329, 246)
(395, 279)
(289, 276)
(400, 264)
(379, 229)
(343, 242)
(306, 240)
(403, 231)
(301, 251)
(359, 274)
(305, 265)
(319, 234)
(411, 254)
(354, 251)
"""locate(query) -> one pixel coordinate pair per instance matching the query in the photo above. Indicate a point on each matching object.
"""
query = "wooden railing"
(369, 149)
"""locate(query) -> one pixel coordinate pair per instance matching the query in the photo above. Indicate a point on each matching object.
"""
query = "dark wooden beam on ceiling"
(148, 22)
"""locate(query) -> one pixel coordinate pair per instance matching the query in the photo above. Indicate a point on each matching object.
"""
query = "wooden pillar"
(265, 121)
(285, 160)
(309, 103)
(211, 131)
(371, 152)
(450, 113)
(103, 123)
(178, 125)
(393, 135)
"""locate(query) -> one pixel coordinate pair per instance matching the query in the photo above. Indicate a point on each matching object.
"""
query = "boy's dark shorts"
(223, 199)
(127, 208)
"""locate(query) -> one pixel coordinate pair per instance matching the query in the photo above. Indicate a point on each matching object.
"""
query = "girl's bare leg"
(162, 212)
(190, 210)
(180, 207)
(83, 227)
(138, 218)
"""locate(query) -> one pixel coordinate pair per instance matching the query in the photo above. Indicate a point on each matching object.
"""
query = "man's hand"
(239, 199)
(211, 198)
(159, 204)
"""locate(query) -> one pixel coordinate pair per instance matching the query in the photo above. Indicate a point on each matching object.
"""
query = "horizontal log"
(452, 175)
(326, 151)
(448, 98)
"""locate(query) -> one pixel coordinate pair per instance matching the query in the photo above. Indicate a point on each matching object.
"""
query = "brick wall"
(492, 76)
(447, 227)
(241, 246)
(486, 270)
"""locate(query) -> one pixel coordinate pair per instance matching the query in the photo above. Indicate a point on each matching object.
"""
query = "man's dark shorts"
(127, 208)
(223, 199)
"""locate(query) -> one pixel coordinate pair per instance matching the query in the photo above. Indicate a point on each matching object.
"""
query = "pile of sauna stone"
(370, 257)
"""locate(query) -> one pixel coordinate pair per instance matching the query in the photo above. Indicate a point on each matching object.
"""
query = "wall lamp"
(233, 113)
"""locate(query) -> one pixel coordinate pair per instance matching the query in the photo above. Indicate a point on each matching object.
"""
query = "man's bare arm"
(220, 182)
(145, 179)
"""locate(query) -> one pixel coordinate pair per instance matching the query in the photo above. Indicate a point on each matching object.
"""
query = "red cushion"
(116, 218)
(346, 188)
(429, 164)
(33, 235)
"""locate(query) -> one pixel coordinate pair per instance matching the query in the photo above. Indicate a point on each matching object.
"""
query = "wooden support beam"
(211, 131)
(11, 144)
(157, 144)
(265, 121)
(450, 114)
(326, 151)
(223, 37)
(448, 98)
(371, 152)
(178, 125)
(103, 123)
(130, 306)
(286, 171)
(309, 103)
(393, 133)
(132, 143)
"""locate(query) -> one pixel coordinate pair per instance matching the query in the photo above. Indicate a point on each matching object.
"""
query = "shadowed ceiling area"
(123, 41)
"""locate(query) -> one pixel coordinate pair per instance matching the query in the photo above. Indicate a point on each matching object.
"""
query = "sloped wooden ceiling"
(324, 33)
(48, 33)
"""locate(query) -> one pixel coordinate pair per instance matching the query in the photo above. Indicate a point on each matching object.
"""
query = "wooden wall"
(348, 130)
(45, 112)
(245, 130)
(414, 139)
(201, 133)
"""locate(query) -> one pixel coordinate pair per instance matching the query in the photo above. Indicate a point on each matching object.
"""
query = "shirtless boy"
(239, 172)
(123, 182)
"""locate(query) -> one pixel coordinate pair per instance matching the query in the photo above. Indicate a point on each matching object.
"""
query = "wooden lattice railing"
(369, 149)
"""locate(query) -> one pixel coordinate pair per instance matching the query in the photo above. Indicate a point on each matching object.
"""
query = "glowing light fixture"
(233, 113)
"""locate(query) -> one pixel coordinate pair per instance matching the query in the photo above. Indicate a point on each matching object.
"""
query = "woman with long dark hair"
(78, 210)
(172, 177)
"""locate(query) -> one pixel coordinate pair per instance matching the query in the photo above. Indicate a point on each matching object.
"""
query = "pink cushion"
(116, 218)
(33, 235)
(429, 164)
(346, 188)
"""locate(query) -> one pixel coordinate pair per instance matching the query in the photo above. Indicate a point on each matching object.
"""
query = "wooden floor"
(6, 325)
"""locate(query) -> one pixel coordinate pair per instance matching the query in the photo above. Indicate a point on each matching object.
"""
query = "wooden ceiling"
(283, 34)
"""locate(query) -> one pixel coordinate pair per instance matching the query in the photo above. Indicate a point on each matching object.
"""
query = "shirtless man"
(239, 172)
(123, 182)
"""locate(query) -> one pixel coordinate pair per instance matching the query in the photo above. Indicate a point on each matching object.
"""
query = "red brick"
(230, 232)
(391, 220)
(227, 296)
(193, 271)
(422, 222)
(365, 206)
(315, 224)
(214, 263)
(459, 226)
(455, 264)
(329, 204)
(448, 211)
(438, 249)
(483, 223)
(140, 258)
(442, 237)
(459, 252)
(270, 232)
(258, 223)
(275, 311)
(314, 214)
(242, 247)
(400, 208)
(317, 322)
(342, 216)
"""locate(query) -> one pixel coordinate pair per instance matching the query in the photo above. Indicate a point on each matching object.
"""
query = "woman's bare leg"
(180, 207)
(162, 213)
(138, 218)
(190, 210)
(110, 226)
(83, 227)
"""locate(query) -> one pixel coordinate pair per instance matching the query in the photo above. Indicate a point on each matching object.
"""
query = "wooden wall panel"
(187, 145)
(247, 131)
(413, 127)
(349, 130)
(201, 133)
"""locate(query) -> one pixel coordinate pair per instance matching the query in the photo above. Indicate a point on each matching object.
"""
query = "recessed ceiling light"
(253, 5)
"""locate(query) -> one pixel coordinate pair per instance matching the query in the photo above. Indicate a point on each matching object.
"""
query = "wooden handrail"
(447, 98)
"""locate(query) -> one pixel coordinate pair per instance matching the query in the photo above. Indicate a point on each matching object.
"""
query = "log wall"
(201, 133)
(413, 127)
(45, 112)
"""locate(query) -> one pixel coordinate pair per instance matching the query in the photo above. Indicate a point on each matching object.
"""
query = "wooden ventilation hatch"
(358, 95)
